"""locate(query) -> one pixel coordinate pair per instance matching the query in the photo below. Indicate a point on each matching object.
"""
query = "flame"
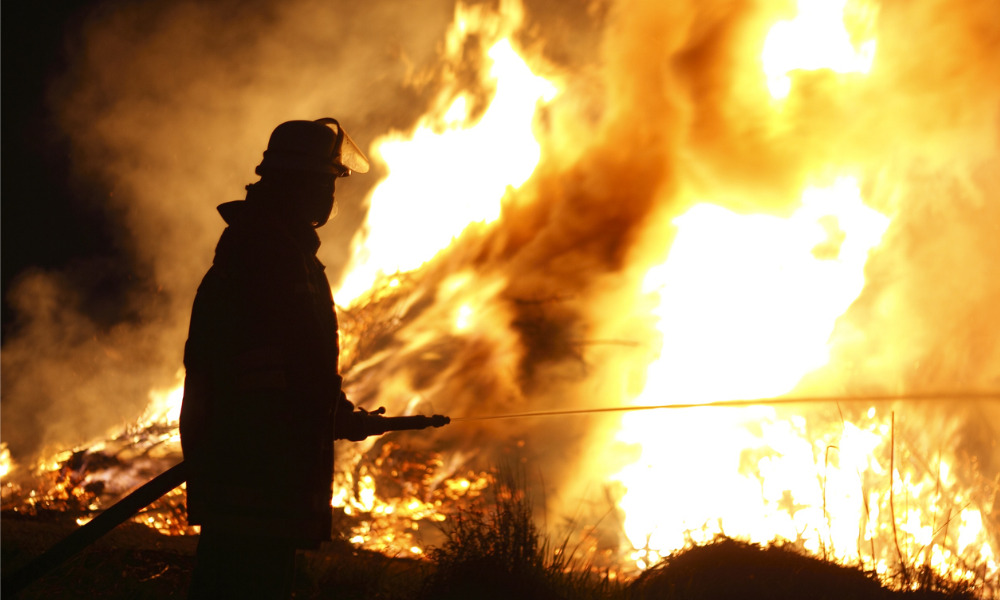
(392, 522)
(6, 464)
(748, 303)
(816, 38)
(758, 294)
(165, 405)
(746, 307)
(453, 166)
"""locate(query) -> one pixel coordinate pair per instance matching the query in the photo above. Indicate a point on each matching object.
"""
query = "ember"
(393, 493)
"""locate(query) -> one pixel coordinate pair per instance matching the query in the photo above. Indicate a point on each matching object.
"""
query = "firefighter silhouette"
(262, 397)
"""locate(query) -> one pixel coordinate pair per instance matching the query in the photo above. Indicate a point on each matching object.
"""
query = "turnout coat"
(262, 387)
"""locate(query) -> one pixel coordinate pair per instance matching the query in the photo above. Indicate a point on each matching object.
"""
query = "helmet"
(320, 146)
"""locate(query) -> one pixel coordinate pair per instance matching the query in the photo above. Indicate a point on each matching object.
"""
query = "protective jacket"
(262, 387)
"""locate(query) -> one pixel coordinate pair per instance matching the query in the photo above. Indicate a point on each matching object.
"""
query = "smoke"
(929, 142)
(172, 103)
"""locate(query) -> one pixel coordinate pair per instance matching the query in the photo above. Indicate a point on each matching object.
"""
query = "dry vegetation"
(495, 552)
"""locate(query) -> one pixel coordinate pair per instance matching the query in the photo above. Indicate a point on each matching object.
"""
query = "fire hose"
(149, 492)
(377, 425)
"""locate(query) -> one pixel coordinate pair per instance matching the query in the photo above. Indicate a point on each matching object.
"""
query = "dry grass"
(492, 551)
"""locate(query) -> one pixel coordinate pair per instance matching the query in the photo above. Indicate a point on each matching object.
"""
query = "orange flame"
(748, 304)
(746, 307)
(815, 39)
(452, 166)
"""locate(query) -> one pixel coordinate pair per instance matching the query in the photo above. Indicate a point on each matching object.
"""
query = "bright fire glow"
(6, 464)
(815, 39)
(390, 523)
(165, 405)
(748, 303)
(758, 294)
(449, 173)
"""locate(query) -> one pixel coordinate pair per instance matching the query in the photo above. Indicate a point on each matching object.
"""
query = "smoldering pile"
(77, 484)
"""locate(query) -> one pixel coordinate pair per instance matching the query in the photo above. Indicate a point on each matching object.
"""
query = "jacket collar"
(240, 213)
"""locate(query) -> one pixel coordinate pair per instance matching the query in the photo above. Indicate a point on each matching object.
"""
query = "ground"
(136, 562)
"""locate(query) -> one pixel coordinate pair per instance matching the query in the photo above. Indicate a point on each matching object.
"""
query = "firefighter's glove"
(360, 423)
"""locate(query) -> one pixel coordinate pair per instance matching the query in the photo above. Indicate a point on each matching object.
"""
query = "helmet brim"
(351, 157)
(320, 146)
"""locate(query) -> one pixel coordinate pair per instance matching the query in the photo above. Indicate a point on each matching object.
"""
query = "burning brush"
(70, 495)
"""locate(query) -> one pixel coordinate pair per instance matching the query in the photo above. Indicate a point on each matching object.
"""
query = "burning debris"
(82, 482)
(384, 491)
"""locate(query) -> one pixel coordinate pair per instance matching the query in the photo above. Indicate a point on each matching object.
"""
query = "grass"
(496, 551)
(728, 568)
(501, 554)
(489, 552)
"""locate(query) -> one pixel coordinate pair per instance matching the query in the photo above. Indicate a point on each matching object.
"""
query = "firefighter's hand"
(352, 427)
(359, 424)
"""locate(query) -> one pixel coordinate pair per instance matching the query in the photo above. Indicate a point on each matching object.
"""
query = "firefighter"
(262, 395)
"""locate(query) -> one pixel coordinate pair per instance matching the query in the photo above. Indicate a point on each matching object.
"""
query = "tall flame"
(815, 39)
(748, 303)
(453, 167)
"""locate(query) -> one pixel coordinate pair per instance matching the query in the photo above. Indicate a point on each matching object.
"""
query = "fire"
(165, 406)
(758, 295)
(90, 477)
(393, 522)
(746, 306)
(6, 464)
(452, 173)
(456, 166)
(748, 303)
(817, 39)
